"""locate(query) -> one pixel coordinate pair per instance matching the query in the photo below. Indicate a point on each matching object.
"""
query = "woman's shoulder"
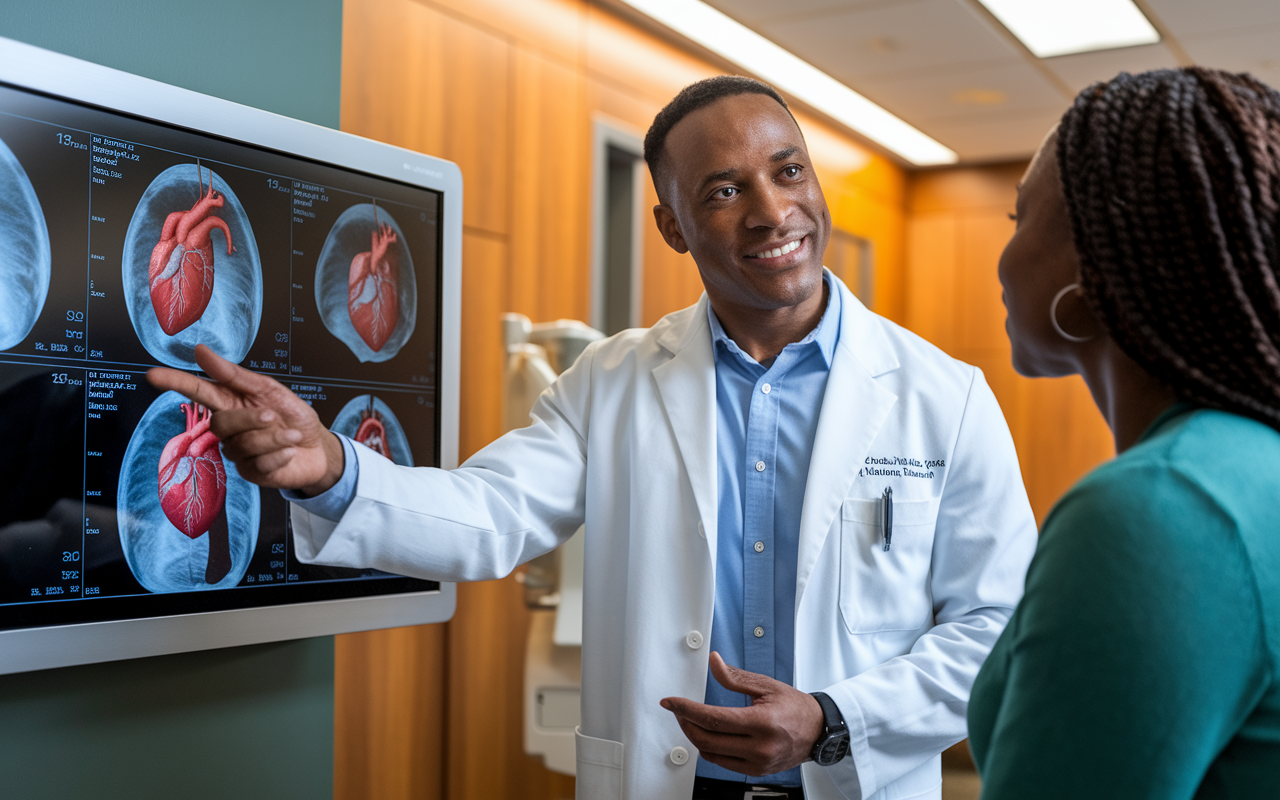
(1201, 466)
(1191, 505)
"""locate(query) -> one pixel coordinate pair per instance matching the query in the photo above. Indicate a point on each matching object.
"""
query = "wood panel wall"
(508, 89)
(958, 223)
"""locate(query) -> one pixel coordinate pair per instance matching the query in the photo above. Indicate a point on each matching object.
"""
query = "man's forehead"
(728, 129)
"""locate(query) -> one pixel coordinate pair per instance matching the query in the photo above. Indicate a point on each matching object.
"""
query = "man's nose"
(770, 209)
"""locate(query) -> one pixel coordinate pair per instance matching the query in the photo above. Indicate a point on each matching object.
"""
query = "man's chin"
(786, 288)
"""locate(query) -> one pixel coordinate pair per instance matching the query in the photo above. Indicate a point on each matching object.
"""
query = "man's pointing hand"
(275, 438)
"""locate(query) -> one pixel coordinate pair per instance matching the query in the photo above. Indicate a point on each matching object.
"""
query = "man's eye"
(1013, 216)
(791, 171)
(725, 192)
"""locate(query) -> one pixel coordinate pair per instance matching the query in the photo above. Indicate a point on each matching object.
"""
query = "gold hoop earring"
(1053, 316)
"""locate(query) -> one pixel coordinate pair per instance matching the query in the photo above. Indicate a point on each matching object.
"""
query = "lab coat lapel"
(687, 386)
(854, 406)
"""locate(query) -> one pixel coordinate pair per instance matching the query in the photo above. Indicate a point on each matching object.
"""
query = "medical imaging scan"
(191, 268)
(370, 421)
(24, 252)
(187, 519)
(365, 287)
(117, 500)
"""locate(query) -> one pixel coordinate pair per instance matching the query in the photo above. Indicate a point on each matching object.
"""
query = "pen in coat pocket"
(886, 517)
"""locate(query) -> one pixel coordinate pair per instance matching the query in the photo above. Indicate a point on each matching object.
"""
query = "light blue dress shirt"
(332, 504)
(766, 418)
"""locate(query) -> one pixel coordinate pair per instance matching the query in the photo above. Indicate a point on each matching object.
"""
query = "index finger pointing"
(206, 393)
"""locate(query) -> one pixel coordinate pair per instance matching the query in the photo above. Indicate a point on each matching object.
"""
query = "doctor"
(735, 467)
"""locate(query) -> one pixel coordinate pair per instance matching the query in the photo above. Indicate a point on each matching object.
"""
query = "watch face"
(832, 750)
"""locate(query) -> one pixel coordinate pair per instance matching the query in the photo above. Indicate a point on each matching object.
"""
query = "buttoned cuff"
(855, 771)
(333, 503)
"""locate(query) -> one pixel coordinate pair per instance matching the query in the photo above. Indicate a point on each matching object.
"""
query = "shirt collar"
(826, 334)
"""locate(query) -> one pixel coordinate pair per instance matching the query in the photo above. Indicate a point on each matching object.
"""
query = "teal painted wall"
(246, 722)
(251, 722)
(280, 55)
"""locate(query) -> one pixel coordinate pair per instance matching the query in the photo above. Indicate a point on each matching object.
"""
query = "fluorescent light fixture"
(735, 42)
(1061, 27)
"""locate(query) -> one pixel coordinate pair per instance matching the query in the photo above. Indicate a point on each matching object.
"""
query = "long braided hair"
(1172, 180)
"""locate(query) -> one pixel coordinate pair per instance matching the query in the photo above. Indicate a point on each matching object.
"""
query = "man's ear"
(669, 228)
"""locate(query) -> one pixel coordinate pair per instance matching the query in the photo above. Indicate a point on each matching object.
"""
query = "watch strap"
(832, 718)
(833, 744)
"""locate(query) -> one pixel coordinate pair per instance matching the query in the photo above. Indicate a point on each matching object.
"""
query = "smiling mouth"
(778, 252)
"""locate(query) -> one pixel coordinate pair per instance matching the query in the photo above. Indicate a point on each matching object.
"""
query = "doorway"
(617, 199)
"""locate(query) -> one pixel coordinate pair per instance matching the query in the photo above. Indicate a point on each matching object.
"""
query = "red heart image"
(193, 480)
(372, 433)
(181, 269)
(372, 286)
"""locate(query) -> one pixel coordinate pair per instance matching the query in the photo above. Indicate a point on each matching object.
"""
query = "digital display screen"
(123, 244)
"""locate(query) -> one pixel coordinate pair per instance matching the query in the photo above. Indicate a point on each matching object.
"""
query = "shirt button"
(679, 756)
(766, 388)
(759, 632)
(759, 466)
(759, 547)
(693, 639)
(702, 531)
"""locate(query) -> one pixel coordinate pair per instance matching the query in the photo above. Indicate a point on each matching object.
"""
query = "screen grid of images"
(124, 244)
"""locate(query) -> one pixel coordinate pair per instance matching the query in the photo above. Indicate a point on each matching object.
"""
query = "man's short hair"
(691, 98)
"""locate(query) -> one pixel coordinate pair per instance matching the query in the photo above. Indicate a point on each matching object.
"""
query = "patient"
(1142, 661)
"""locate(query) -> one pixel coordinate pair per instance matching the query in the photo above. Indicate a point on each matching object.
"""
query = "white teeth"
(778, 251)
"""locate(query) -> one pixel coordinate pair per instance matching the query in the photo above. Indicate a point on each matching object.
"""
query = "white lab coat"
(625, 442)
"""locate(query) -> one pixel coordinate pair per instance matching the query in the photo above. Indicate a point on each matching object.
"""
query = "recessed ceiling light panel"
(1061, 27)
(735, 42)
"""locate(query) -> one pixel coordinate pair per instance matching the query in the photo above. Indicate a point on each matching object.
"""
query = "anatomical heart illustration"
(191, 268)
(181, 270)
(193, 486)
(369, 421)
(365, 286)
(187, 519)
(25, 263)
(371, 287)
(372, 432)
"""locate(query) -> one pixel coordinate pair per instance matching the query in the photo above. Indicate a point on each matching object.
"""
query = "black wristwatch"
(833, 744)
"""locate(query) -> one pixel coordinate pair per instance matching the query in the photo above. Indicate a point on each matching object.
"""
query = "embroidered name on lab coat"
(902, 467)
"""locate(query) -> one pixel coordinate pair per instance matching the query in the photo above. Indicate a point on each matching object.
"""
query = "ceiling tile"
(1256, 51)
(1082, 70)
(998, 137)
(905, 36)
(749, 11)
(1191, 17)
(971, 92)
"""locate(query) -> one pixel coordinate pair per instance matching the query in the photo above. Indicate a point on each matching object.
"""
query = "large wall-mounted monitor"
(137, 220)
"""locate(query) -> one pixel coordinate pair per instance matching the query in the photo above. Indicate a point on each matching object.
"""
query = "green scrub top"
(1141, 663)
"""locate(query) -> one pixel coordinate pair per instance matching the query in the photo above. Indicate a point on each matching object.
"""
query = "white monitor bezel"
(61, 76)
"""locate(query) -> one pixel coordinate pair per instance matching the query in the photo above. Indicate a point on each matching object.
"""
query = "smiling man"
(805, 526)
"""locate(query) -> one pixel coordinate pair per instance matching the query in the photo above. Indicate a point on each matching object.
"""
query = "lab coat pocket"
(886, 590)
(599, 767)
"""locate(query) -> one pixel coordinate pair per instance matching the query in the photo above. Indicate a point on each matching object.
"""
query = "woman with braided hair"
(1144, 659)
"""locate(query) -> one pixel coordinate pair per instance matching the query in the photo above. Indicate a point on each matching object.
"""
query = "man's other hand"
(775, 733)
(275, 438)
